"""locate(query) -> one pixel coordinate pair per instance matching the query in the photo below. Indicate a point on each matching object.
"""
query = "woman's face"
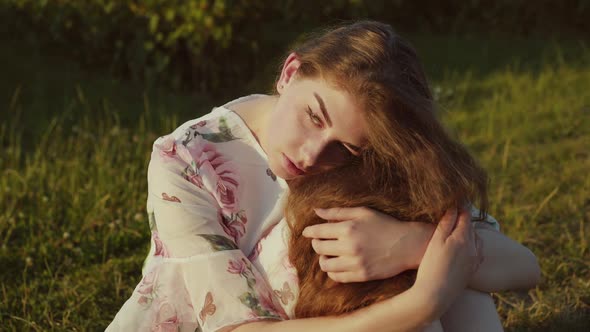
(313, 127)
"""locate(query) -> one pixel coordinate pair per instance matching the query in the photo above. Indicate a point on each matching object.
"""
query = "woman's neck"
(255, 112)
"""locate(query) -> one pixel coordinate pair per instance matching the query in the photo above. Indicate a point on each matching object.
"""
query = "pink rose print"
(160, 248)
(191, 176)
(219, 177)
(166, 318)
(237, 266)
(201, 123)
(234, 224)
(143, 300)
(167, 146)
(170, 149)
(174, 199)
(235, 230)
(209, 169)
(146, 289)
(255, 252)
(226, 195)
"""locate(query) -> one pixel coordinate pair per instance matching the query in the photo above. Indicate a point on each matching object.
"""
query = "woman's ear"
(288, 72)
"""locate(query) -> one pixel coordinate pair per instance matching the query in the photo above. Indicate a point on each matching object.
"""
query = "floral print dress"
(211, 199)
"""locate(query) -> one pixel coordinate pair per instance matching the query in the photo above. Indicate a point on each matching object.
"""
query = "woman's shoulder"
(221, 125)
(209, 143)
(216, 150)
(216, 126)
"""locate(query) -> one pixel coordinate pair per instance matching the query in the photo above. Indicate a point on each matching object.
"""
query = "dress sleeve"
(195, 276)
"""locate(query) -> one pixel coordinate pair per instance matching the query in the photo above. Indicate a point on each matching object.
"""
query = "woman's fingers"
(463, 227)
(445, 226)
(340, 213)
(322, 231)
(346, 277)
(331, 230)
(338, 264)
(466, 231)
(345, 269)
(445, 267)
(330, 247)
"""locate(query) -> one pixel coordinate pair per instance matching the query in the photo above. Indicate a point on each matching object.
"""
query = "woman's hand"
(449, 261)
(367, 245)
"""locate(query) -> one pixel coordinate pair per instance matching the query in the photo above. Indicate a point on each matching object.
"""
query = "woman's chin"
(284, 175)
(280, 172)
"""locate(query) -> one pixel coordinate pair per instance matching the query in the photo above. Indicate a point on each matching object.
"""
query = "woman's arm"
(446, 267)
(377, 246)
(405, 312)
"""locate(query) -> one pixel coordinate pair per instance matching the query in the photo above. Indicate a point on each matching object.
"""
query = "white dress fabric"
(218, 253)
(211, 198)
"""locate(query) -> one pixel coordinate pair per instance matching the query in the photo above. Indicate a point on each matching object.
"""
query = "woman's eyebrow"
(327, 117)
(323, 108)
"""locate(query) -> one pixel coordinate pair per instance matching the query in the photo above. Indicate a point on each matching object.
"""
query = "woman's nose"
(311, 153)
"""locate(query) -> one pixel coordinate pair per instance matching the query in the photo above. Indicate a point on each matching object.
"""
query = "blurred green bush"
(175, 41)
(207, 45)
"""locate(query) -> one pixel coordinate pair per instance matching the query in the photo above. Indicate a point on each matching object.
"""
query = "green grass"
(75, 147)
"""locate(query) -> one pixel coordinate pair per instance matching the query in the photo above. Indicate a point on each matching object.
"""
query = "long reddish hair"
(411, 168)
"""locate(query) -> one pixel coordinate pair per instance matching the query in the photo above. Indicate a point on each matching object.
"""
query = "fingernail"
(314, 243)
(305, 232)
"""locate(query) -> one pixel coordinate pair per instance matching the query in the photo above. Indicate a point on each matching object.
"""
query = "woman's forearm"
(506, 265)
(409, 311)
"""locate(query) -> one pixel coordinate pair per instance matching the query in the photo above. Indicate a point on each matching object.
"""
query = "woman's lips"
(290, 166)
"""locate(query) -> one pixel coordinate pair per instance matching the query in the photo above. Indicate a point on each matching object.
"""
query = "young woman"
(218, 184)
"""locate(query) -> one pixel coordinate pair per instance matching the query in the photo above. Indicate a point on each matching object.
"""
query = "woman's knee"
(472, 311)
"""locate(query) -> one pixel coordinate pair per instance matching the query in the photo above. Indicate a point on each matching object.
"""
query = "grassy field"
(75, 147)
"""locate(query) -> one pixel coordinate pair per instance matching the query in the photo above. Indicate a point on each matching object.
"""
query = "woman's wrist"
(412, 310)
(423, 307)
(428, 300)
(425, 231)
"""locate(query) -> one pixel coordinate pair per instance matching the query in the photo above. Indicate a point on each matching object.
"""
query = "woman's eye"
(313, 117)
